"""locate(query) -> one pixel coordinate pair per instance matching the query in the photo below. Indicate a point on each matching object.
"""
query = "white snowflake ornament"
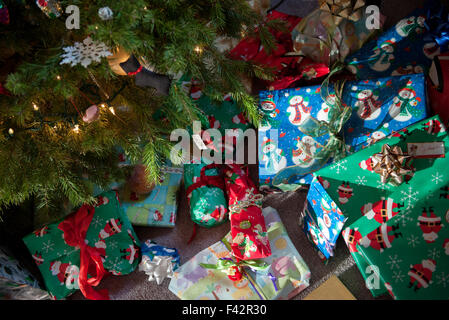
(85, 53)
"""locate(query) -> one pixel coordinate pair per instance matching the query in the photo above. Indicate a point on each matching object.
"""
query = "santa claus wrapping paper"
(406, 48)
(77, 252)
(304, 128)
(394, 195)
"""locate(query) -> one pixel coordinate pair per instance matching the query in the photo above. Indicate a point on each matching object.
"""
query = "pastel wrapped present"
(406, 48)
(369, 111)
(78, 251)
(206, 194)
(286, 276)
(327, 37)
(159, 207)
(323, 220)
(158, 262)
(398, 230)
(248, 229)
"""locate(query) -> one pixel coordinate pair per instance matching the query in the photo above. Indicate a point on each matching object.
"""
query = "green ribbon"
(224, 264)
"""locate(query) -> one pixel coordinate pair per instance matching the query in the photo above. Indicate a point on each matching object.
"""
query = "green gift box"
(76, 252)
(397, 231)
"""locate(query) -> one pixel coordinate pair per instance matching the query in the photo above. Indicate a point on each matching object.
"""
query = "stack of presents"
(368, 140)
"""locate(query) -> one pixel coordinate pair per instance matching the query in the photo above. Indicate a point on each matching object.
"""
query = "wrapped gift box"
(379, 107)
(398, 234)
(438, 87)
(406, 48)
(101, 234)
(287, 275)
(159, 207)
(322, 220)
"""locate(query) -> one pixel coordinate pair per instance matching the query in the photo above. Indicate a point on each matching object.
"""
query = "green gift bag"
(206, 194)
(398, 231)
(76, 252)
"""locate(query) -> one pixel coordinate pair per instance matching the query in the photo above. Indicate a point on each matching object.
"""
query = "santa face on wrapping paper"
(376, 136)
(239, 119)
(345, 192)
(37, 257)
(213, 122)
(66, 273)
(368, 108)
(113, 226)
(367, 164)
(157, 216)
(421, 274)
(196, 91)
(382, 210)
(298, 110)
(410, 25)
(383, 55)
(219, 213)
(433, 127)
(381, 238)
(430, 225)
(352, 238)
(306, 147)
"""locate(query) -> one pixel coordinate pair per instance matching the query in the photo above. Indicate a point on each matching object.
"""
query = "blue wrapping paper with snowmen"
(408, 47)
(323, 220)
(377, 108)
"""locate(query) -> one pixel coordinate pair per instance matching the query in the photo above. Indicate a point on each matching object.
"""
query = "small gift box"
(77, 252)
(304, 128)
(206, 194)
(438, 87)
(322, 219)
(159, 207)
(158, 262)
(395, 197)
(406, 48)
(283, 275)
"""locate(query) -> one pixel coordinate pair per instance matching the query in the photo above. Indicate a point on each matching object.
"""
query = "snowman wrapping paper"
(406, 48)
(95, 239)
(400, 232)
(379, 107)
(286, 276)
(159, 207)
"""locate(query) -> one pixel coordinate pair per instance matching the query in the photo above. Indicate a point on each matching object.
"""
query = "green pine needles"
(47, 151)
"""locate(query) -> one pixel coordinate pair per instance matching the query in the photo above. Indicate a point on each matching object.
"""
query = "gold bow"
(343, 9)
(391, 163)
(250, 200)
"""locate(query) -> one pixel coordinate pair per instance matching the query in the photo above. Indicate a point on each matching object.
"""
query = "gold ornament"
(391, 163)
(118, 56)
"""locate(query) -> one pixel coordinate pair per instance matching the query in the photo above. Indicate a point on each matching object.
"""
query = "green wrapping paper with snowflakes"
(206, 194)
(398, 229)
(76, 252)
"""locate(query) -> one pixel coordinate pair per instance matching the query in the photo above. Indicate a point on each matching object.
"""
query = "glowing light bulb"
(35, 107)
(112, 110)
(103, 105)
(76, 129)
(11, 131)
(58, 77)
(198, 49)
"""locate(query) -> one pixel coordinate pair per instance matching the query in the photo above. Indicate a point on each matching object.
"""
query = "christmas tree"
(73, 91)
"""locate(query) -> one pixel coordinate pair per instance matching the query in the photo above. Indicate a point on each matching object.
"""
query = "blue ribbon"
(437, 25)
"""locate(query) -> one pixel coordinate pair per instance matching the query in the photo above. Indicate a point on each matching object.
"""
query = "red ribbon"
(75, 230)
(135, 72)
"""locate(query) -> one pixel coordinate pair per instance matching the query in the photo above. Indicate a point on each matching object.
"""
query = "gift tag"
(426, 149)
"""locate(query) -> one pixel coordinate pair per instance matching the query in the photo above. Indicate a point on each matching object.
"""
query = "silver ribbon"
(157, 269)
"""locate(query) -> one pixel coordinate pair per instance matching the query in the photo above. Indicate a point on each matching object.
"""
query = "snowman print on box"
(298, 110)
(272, 156)
(404, 104)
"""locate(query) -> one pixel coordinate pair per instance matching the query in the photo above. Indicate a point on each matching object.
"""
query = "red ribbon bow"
(75, 230)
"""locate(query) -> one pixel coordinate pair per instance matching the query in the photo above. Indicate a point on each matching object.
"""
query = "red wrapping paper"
(248, 229)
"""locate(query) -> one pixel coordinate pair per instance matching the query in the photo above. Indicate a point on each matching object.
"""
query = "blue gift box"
(379, 107)
(408, 47)
(323, 220)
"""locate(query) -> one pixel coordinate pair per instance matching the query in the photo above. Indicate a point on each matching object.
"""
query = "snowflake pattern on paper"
(413, 241)
(434, 253)
(437, 178)
(85, 53)
(48, 246)
(394, 262)
(398, 276)
(361, 180)
(410, 197)
(97, 222)
(443, 279)
(114, 264)
(339, 166)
